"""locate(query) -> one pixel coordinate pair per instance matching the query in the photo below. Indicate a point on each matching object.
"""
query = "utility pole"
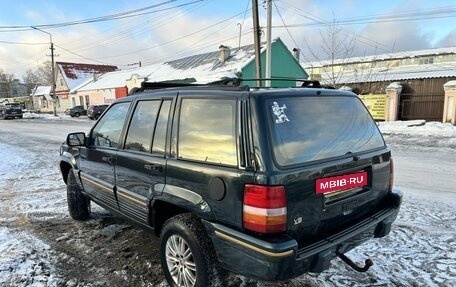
(256, 38)
(268, 43)
(54, 98)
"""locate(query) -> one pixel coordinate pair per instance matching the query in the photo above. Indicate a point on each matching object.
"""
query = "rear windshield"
(16, 106)
(314, 128)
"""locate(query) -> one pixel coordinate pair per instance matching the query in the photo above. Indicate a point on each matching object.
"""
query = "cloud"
(448, 41)
(173, 34)
(392, 37)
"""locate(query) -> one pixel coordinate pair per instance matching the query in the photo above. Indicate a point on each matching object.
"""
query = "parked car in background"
(95, 111)
(10, 110)
(76, 111)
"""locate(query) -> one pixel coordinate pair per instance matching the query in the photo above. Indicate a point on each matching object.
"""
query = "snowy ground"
(41, 246)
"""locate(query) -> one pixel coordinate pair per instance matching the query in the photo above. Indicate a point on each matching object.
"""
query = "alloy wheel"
(180, 261)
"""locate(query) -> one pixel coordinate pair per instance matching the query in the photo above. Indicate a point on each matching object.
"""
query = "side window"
(207, 131)
(142, 125)
(160, 131)
(107, 131)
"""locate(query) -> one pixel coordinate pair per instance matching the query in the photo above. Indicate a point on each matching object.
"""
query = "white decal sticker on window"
(280, 113)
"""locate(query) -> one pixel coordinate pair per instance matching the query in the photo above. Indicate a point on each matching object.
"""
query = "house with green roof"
(201, 68)
(241, 62)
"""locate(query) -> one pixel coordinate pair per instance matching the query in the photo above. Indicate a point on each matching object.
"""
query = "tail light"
(265, 208)
(391, 181)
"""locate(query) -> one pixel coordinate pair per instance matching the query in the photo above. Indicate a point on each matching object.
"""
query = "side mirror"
(76, 139)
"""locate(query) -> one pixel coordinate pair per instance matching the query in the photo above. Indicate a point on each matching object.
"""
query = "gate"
(421, 107)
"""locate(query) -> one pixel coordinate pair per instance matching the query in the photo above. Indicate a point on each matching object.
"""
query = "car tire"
(186, 253)
(76, 115)
(78, 203)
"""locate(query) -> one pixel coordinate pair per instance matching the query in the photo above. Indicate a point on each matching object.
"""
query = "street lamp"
(52, 70)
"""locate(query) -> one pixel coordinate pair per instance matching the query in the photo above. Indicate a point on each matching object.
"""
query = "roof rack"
(305, 83)
(227, 83)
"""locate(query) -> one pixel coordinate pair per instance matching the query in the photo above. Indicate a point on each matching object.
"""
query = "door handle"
(153, 167)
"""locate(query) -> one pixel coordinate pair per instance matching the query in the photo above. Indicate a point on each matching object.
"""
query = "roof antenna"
(240, 34)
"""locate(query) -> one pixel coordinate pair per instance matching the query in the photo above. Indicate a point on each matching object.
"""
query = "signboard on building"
(376, 104)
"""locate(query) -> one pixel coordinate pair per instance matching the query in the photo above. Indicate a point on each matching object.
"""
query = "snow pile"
(27, 260)
(32, 115)
(419, 133)
(12, 162)
(418, 252)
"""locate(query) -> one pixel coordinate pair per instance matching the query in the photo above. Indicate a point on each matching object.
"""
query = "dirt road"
(42, 246)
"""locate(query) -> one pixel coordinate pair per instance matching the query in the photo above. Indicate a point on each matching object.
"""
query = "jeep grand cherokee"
(266, 183)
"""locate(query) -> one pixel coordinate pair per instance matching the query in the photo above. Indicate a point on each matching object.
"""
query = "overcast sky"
(156, 31)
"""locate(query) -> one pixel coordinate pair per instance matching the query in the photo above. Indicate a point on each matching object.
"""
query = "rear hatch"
(13, 109)
(331, 158)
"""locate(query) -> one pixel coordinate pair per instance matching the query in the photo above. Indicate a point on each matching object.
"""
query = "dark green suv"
(266, 183)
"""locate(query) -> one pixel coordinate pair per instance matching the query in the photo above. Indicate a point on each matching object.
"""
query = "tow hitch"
(368, 263)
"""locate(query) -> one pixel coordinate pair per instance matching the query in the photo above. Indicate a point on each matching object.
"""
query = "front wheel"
(187, 256)
(76, 115)
(78, 203)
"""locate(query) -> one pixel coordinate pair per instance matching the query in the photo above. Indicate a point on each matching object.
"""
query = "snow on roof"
(76, 73)
(41, 91)
(115, 79)
(210, 61)
(202, 68)
(401, 73)
(205, 68)
(380, 57)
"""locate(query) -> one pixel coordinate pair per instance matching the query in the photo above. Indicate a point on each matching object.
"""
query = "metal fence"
(423, 107)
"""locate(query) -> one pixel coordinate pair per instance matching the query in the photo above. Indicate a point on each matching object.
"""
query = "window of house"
(426, 60)
(87, 101)
(107, 131)
(139, 137)
(207, 131)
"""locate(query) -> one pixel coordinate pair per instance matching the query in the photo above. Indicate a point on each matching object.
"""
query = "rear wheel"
(78, 203)
(77, 115)
(187, 256)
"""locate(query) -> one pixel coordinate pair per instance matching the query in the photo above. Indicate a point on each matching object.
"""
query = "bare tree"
(31, 79)
(6, 82)
(335, 50)
(40, 76)
(44, 73)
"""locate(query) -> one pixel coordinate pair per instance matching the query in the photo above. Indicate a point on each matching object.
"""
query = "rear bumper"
(280, 258)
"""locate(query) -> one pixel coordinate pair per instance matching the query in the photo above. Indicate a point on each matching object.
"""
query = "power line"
(22, 43)
(81, 56)
(135, 29)
(174, 40)
(123, 15)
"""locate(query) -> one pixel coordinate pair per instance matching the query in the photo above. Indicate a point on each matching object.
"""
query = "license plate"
(340, 183)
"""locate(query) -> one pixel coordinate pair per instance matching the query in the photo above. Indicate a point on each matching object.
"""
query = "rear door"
(204, 171)
(98, 158)
(331, 158)
(141, 164)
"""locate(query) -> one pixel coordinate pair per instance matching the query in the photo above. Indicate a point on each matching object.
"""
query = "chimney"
(224, 53)
(296, 52)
